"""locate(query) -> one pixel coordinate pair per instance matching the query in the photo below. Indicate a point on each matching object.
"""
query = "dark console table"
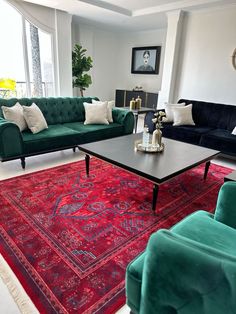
(123, 97)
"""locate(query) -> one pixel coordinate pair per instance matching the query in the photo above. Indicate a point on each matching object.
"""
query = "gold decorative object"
(132, 104)
(157, 137)
(157, 134)
(138, 102)
(156, 146)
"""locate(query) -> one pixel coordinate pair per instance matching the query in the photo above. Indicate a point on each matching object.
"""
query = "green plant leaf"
(81, 64)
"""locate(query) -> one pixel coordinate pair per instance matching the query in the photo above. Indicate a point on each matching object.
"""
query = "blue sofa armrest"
(124, 117)
(11, 143)
(184, 276)
(226, 204)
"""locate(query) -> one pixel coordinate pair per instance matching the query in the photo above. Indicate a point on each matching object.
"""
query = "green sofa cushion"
(52, 138)
(96, 132)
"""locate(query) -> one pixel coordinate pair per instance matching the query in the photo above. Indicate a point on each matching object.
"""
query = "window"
(25, 55)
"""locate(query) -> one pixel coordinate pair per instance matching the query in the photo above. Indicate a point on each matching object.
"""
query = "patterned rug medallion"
(69, 238)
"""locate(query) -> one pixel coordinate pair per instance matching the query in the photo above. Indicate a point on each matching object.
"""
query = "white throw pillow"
(34, 118)
(110, 105)
(183, 115)
(15, 114)
(234, 131)
(95, 113)
(169, 112)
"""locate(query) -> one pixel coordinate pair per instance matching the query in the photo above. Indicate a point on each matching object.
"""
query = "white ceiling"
(130, 15)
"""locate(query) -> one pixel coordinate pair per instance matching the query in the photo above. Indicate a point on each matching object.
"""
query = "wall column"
(173, 40)
(63, 53)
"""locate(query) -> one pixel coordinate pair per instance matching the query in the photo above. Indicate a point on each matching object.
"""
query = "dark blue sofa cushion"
(216, 116)
(221, 140)
(189, 134)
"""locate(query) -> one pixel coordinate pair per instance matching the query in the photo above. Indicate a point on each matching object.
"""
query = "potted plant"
(81, 64)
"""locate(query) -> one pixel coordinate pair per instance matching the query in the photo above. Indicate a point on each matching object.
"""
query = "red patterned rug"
(69, 238)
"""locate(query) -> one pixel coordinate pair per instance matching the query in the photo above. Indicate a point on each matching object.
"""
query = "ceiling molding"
(108, 6)
(114, 13)
(178, 5)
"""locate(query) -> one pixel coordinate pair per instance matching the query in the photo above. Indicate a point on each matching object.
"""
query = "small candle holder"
(150, 148)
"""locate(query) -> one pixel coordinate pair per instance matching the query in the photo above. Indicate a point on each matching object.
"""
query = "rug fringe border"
(17, 292)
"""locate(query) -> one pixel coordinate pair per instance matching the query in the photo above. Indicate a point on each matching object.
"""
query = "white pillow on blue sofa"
(169, 111)
(183, 115)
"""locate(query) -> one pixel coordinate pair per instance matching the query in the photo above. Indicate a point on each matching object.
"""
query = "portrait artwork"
(146, 60)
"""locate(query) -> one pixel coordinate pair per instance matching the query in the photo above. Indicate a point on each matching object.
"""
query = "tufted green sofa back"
(55, 109)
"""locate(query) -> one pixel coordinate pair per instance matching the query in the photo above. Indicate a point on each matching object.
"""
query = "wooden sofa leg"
(74, 149)
(23, 162)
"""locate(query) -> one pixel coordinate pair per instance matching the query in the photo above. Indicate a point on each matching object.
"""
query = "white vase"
(157, 137)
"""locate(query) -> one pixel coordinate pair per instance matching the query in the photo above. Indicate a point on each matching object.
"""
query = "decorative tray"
(150, 148)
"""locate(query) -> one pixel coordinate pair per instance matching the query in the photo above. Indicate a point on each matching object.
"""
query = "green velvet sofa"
(65, 118)
(190, 268)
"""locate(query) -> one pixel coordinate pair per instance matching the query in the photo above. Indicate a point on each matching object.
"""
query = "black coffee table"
(176, 158)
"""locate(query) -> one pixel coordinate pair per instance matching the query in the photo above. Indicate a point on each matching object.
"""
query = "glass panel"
(11, 52)
(45, 41)
(38, 57)
(40, 61)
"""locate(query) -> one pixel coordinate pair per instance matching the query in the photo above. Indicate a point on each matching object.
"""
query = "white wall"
(111, 53)
(101, 46)
(124, 78)
(205, 69)
(64, 53)
(58, 24)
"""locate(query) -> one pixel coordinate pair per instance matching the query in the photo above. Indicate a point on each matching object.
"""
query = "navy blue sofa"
(214, 124)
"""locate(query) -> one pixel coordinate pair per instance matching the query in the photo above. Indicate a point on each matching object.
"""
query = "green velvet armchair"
(190, 269)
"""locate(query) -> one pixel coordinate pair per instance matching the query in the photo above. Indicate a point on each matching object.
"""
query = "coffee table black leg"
(206, 169)
(154, 196)
(135, 122)
(87, 159)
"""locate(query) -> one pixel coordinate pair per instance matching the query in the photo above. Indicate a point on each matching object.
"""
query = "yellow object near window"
(8, 84)
(7, 88)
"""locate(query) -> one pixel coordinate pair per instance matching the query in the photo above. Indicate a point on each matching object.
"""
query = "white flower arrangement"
(159, 118)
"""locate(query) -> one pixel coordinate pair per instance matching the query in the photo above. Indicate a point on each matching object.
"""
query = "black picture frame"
(146, 60)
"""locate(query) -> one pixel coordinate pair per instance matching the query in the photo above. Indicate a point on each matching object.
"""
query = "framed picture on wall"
(146, 60)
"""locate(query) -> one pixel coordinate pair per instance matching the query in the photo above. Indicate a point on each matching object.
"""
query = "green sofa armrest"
(226, 204)
(11, 143)
(124, 117)
(184, 276)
